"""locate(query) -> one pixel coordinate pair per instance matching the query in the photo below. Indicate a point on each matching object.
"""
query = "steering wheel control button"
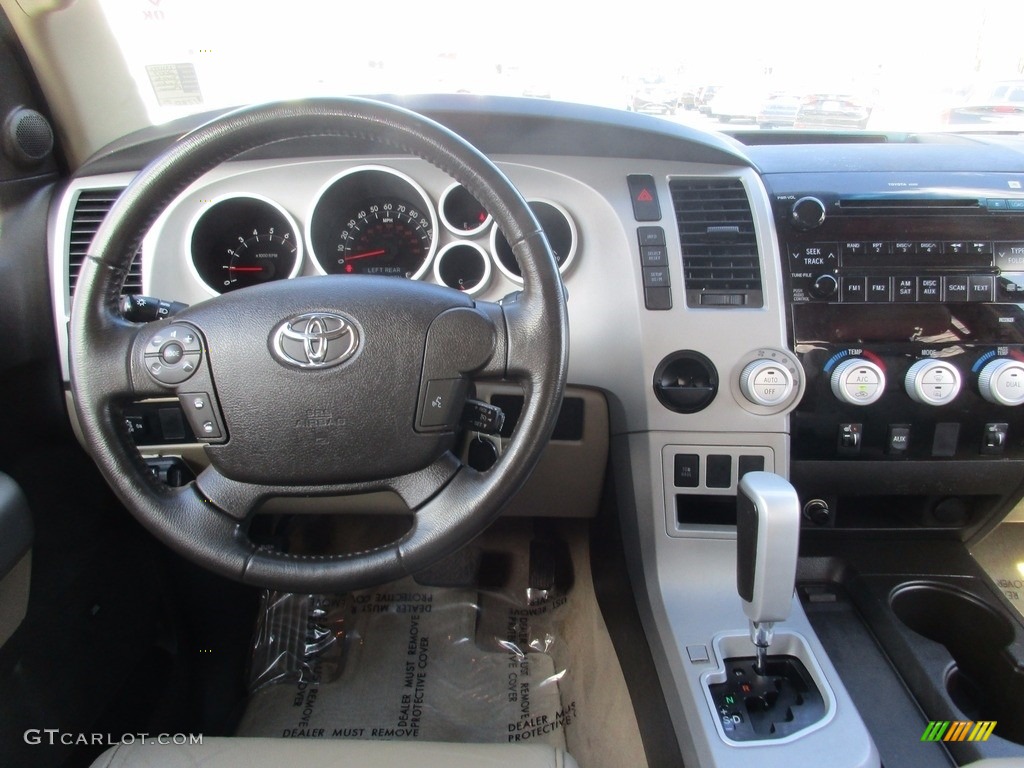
(932, 382)
(202, 415)
(1002, 382)
(644, 195)
(857, 382)
(315, 340)
(173, 354)
(437, 410)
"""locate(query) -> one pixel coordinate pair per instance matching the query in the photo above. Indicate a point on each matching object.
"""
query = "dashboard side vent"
(91, 208)
(721, 265)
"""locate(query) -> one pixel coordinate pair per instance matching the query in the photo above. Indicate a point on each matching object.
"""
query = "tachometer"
(373, 220)
(241, 241)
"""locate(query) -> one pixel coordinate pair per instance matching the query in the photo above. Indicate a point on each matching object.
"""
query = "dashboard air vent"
(91, 207)
(721, 266)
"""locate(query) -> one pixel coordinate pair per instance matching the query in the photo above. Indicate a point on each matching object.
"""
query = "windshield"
(901, 66)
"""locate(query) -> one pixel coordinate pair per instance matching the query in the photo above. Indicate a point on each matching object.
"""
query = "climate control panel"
(898, 401)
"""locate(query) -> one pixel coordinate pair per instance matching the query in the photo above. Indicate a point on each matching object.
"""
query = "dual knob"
(930, 382)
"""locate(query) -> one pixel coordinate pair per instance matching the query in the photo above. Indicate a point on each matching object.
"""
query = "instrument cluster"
(365, 220)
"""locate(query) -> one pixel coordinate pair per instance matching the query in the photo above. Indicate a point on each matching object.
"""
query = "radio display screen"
(924, 324)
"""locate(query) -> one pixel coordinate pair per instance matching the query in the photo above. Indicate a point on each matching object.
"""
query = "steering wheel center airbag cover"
(318, 378)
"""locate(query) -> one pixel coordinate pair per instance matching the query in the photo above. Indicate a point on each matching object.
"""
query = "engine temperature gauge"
(243, 241)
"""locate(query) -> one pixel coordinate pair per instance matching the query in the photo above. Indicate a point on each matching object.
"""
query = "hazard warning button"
(644, 195)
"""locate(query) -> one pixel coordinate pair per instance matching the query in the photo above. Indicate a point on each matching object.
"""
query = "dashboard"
(849, 308)
(844, 311)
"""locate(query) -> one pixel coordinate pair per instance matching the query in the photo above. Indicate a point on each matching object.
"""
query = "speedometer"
(373, 220)
(386, 236)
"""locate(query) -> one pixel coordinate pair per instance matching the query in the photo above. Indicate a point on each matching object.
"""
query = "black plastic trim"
(16, 530)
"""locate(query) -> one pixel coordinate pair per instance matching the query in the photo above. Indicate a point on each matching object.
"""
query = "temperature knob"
(807, 213)
(932, 382)
(767, 383)
(858, 381)
(1002, 382)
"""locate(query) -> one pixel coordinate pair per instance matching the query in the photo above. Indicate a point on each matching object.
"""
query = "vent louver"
(91, 207)
(721, 266)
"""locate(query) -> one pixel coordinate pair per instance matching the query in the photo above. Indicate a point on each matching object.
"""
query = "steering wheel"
(318, 386)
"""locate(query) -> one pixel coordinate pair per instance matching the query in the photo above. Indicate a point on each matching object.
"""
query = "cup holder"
(984, 681)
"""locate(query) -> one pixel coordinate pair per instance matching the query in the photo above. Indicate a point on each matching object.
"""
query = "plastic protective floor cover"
(413, 663)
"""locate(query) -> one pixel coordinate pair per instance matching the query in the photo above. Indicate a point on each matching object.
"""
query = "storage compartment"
(984, 680)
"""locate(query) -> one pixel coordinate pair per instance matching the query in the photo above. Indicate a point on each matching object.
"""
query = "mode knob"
(764, 382)
(1002, 382)
(858, 381)
(807, 213)
(932, 382)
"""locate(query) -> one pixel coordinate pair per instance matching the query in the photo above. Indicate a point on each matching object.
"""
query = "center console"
(889, 398)
(902, 296)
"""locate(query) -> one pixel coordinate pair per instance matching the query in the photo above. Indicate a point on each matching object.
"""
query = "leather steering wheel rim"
(207, 520)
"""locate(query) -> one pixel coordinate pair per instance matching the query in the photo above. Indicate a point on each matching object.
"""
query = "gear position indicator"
(758, 707)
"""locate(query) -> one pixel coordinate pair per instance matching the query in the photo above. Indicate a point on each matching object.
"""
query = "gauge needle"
(365, 255)
(245, 269)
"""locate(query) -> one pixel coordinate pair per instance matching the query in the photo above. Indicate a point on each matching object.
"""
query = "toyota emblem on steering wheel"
(315, 340)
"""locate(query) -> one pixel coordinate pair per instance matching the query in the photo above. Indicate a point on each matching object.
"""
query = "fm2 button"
(173, 354)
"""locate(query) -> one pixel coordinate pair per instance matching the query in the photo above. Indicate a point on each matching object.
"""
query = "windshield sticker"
(175, 85)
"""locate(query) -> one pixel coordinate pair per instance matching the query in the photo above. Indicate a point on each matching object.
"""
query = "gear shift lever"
(767, 538)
